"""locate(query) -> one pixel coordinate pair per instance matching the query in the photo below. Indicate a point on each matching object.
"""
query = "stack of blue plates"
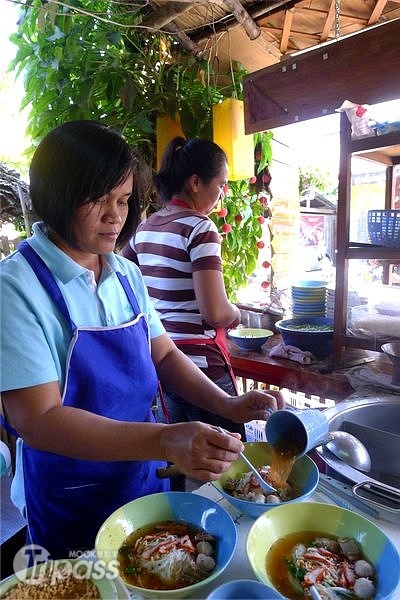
(309, 299)
(330, 302)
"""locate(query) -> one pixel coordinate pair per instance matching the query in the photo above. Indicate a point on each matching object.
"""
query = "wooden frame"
(362, 68)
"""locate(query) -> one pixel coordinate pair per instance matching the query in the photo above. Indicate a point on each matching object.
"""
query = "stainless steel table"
(240, 568)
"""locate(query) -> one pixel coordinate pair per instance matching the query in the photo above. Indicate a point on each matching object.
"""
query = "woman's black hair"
(77, 163)
(184, 158)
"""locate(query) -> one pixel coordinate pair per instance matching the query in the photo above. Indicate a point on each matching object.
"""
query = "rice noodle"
(167, 555)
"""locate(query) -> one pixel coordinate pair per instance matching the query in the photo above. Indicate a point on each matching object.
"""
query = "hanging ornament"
(166, 129)
(228, 132)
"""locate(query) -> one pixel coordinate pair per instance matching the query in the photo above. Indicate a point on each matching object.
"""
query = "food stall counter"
(240, 567)
(325, 378)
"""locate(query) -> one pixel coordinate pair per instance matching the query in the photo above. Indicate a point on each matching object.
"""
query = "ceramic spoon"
(265, 486)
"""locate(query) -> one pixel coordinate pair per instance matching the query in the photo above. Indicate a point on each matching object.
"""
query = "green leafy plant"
(244, 211)
(239, 222)
(90, 59)
(312, 178)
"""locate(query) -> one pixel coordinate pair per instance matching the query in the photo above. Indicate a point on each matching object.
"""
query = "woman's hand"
(200, 450)
(253, 405)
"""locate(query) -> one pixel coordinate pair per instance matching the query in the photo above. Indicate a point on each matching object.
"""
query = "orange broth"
(130, 566)
(281, 467)
(276, 567)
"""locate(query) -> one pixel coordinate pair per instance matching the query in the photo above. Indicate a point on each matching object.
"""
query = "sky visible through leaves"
(12, 120)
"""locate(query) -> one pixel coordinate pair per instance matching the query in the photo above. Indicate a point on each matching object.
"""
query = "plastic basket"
(255, 431)
(384, 227)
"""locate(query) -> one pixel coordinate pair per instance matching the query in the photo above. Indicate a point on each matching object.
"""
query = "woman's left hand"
(254, 405)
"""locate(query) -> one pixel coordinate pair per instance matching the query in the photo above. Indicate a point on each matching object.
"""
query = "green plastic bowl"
(108, 586)
(331, 520)
(250, 338)
(176, 506)
(304, 475)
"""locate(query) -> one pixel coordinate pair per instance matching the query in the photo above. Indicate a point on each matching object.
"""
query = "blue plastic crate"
(384, 227)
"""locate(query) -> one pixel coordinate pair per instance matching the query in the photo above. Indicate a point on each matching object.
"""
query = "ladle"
(342, 444)
(265, 486)
(349, 449)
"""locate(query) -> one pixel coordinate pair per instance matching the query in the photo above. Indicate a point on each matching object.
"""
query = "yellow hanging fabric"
(166, 129)
(228, 132)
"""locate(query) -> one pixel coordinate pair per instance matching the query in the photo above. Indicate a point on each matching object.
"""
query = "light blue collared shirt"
(34, 337)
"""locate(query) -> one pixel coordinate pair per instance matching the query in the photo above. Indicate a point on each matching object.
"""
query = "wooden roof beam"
(160, 19)
(376, 13)
(243, 17)
(286, 30)
(203, 33)
(310, 12)
(185, 40)
(328, 23)
(293, 33)
(165, 14)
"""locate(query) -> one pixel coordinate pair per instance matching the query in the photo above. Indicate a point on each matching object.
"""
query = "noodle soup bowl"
(304, 478)
(329, 521)
(186, 507)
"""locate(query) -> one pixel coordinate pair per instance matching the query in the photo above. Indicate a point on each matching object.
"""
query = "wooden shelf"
(362, 343)
(370, 251)
(384, 149)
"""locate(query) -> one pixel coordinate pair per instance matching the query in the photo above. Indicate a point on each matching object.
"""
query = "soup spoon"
(315, 595)
(265, 486)
(269, 489)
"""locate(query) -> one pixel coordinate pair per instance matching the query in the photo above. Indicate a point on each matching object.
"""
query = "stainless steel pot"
(261, 319)
(375, 421)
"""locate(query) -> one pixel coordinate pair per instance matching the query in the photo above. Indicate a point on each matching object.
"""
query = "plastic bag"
(359, 117)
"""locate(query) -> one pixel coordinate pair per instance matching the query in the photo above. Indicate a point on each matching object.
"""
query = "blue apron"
(109, 372)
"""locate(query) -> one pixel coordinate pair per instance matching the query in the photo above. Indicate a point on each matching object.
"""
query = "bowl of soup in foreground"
(240, 488)
(168, 545)
(294, 545)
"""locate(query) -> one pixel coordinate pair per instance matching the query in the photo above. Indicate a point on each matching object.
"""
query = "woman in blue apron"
(83, 351)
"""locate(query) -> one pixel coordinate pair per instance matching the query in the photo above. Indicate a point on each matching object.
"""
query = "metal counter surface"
(240, 568)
